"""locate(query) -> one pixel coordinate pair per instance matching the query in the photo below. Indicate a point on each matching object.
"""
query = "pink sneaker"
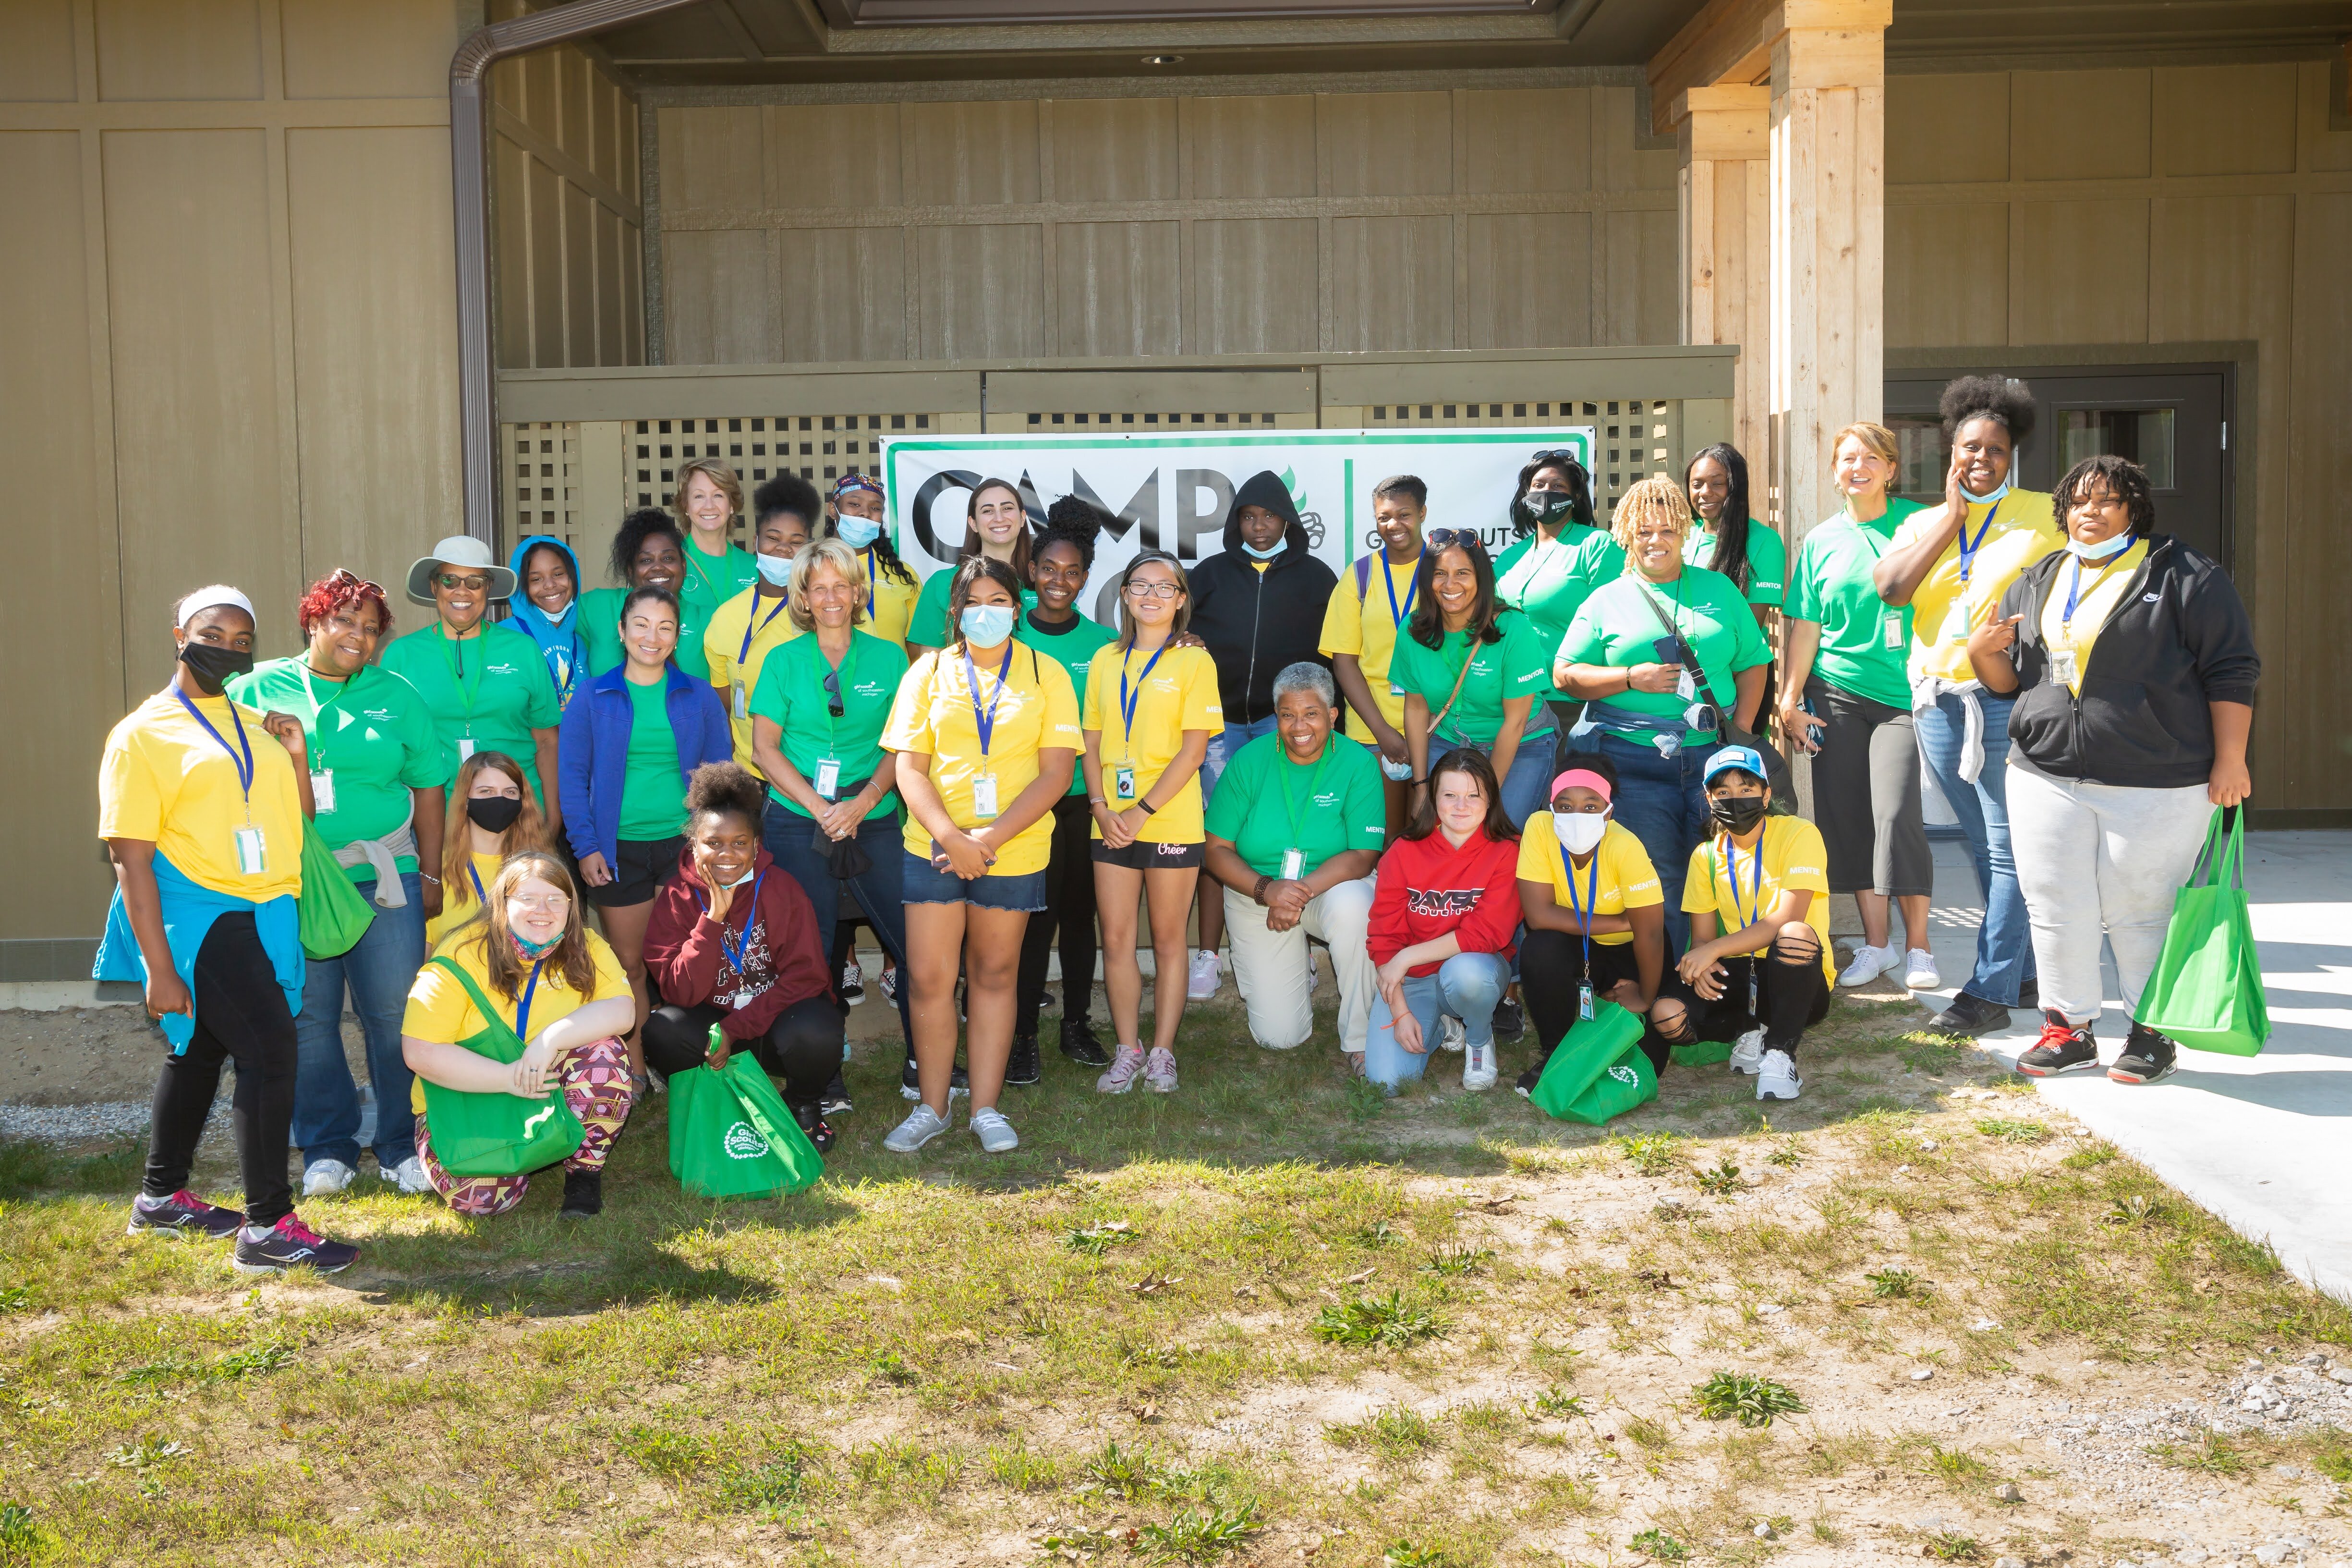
(1126, 1067)
(1159, 1071)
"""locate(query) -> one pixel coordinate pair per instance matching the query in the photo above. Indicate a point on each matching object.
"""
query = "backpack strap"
(1363, 578)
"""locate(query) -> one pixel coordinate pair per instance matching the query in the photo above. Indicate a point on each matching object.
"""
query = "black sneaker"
(852, 982)
(812, 1122)
(1078, 1044)
(2062, 1049)
(1020, 1068)
(1971, 1015)
(1532, 1077)
(836, 1099)
(2147, 1057)
(1510, 1019)
(184, 1216)
(584, 1194)
(911, 1086)
(290, 1244)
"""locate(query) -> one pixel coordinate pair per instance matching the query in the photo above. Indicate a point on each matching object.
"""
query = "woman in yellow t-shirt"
(494, 818)
(555, 984)
(984, 731)
(856, 517)
(1595, 912)
(1150, 709)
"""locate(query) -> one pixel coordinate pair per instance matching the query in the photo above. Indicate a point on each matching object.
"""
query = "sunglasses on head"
(1562, 456)
(342, 577)
(1464, 538)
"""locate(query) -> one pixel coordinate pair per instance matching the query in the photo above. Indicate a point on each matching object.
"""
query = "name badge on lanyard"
(1890, 626)
(1123, 780)
(2065, 667)
(828, 778)
(1123, 775)
(983, 783)
(465, 748)
(322, 790)
(742, 703)
(250, 844)
(252, 850)
(1397, 613)
(1293, 865)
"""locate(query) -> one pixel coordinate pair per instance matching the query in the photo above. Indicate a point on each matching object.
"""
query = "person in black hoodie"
(2134, 665)
(1259, 606)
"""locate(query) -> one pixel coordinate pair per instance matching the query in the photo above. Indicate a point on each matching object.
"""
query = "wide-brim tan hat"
(458, 550)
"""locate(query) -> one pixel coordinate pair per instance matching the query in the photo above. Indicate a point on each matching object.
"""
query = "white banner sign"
(1171, 490)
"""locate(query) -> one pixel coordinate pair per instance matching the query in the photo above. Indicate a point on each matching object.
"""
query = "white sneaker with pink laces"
(1126, 1067)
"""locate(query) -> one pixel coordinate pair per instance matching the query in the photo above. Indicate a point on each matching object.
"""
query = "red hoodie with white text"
(1428, 887)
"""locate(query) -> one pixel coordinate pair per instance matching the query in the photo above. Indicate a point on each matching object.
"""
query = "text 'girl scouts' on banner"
(1171, 490)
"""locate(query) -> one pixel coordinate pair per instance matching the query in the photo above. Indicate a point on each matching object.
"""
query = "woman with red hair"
(376, 780)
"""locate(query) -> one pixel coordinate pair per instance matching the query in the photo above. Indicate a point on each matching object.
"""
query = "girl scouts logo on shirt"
(742, 1143)
(380, 715)
(500, 668)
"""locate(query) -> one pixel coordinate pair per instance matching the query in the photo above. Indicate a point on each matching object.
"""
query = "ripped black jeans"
(1792, 993)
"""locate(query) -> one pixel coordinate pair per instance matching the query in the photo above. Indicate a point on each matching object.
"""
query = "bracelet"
(1097, 800)
(1258, 894)
(1148, 809)
(428, 877)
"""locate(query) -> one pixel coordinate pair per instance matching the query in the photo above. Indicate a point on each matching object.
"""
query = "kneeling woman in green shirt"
(631, 742)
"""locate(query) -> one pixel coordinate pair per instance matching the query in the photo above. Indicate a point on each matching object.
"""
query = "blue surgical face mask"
(776, 569)
(2102, 550)
(1990, 499)
(985, 625)
(857, 533)
(1254, 554)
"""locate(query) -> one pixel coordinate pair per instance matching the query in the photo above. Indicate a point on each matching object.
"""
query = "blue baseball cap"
(1730, 757)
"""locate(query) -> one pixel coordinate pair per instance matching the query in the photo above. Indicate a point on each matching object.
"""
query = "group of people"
(1494, 789)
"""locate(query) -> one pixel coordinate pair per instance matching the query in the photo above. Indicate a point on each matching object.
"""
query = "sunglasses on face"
(451, 580)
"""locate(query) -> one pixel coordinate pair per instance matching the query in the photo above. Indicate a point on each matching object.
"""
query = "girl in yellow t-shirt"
(1150, 709)
(856, 518)
(494, 817)
(984, 731)
(551, 981)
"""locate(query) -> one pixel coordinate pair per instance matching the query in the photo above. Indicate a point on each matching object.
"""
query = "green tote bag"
(497, 1135)
(1598, 1072)
(332, 915)
(731, 1137)
(2207, 990)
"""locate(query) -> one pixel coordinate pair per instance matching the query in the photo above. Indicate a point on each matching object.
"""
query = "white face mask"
(1580, 832)
(748, 873)
(1990, 497)
(2113, 544)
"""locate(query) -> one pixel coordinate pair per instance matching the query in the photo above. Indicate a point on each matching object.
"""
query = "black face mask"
(493, 813)
(1740, 813)
(212, 665)
(1544, 508)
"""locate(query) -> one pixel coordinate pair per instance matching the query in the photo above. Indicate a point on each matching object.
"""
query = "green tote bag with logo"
(2207, 990)
(496, 1135)
(1598, 1071)
(731, 1135)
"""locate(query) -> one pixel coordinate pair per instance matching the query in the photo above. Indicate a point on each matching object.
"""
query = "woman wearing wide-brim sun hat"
(487, 687)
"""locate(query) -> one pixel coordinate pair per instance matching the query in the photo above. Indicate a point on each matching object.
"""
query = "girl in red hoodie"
(1446, 911)
(732, 942)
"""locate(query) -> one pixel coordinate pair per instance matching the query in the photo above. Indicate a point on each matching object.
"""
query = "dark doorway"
(2173, 420)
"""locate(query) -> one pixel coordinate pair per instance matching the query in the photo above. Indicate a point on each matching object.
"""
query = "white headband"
(211, 598)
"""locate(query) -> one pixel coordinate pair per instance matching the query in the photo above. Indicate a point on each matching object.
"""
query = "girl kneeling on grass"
(529, 961)
(734, 942)
(1762, 882)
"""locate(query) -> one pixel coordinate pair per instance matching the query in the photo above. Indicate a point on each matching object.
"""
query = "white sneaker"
(1478, 1066)
(321, 1177)
(1159, 1071)
(408, 1176)
(1748, 1051)
(1920, 971)
(1126, 1067)
(996, 1134)
(1869, 963)
(1776, 1076)
(1450, 1033)
(1314, 975)
(922, 1125)
(1202, 984)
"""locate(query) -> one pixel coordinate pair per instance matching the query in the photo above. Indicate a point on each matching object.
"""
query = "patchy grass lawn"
(1269, 1318)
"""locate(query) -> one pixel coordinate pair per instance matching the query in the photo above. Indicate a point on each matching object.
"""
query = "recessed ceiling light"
(1164, 59)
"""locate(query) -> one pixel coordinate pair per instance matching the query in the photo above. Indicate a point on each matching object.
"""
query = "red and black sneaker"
(2062, 1047)
(182, 1215)
(290, 1244)
(2147, 1056)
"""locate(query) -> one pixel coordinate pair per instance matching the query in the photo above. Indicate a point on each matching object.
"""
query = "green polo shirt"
(710, 580)
(928, 623)
(491, 690)
(1768, 559)
(371, 733)
(1617, 627)
(1072, 645)
(1539, 577)
(600, 627)
(792, 692)
(653, 792)
(1266, 804)
(1865, 642)
(1518, 666)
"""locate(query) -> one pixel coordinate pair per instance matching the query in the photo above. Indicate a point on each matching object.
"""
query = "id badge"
(828, 777)
(2064, 667)
(322, 790)
(1293, 865)
(742, 703)
(251, 850)
(465, 748)
(1123, 779)
(1584, 1001)
(1686, 686)
(983, 797)
(1394, 689)
(1891, 630)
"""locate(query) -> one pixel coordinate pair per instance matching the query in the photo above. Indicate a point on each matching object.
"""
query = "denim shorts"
(926, 884)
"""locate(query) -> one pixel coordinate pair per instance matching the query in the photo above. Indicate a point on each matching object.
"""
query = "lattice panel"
(1635, 437)
(542, 475)
(817, 447)
(1056, 424)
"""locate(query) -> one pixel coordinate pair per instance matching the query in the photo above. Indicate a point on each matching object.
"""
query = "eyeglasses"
(832, 704)
(451, 580)
(1461, 537)
(1152, 590)
(552, 902)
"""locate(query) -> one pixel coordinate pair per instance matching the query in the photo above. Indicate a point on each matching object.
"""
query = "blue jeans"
(1661, 802)
(794, 843)
(1526, 788)
(377, 974)
(1223, 747)
(2004, 942)
(1466, 986)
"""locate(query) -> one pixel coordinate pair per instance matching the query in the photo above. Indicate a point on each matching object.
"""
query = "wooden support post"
(1726, 212)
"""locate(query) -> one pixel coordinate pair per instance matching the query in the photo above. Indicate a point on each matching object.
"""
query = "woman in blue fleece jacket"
(630, 742)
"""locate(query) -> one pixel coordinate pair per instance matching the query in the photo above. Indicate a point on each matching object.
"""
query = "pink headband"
(1584, 776)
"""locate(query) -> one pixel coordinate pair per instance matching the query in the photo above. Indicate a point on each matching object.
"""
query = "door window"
(2143, 435)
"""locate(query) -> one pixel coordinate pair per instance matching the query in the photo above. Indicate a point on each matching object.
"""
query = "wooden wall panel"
(2317, 147)
(1393, 283)
(1252, 146)
(1117, 289)
(981, 289)
(578, 277)
(712, 158)
(543, 204)
(1618, 163)
(1943, 129)
(150, 49)
(1385, 143)
(2078, 125)
(1639, 303)
(1530, 281)
(510, 250)
(2085, 270)
(2306, 684)
(721, 303)
(2225, 119)
(612, 285)
(829, 156)
(844, 293)
(37, 65)
(364, 48)
(1947, 274)
(1115, 150)
(1252, 289)
(1529, 139)
(969, 154)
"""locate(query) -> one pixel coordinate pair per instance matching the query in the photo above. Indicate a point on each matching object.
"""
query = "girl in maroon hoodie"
(733, 942)
(1446, 911)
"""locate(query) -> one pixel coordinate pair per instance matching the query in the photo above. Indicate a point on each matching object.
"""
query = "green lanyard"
(1290, 800)
(457, 663)
(318, 708)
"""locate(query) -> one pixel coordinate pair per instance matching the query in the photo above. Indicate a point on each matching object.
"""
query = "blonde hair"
(718, 474)
(1655, 500)
(1878, 437)
(826, 551)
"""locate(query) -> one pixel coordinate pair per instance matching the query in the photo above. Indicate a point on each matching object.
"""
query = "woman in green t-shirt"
(996, 525)
(1537, 573)
(1845, 697)
(648, 552)
(1726, 541)
(1474, 673)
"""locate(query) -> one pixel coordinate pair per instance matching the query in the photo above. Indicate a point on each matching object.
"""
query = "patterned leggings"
(594, 1078)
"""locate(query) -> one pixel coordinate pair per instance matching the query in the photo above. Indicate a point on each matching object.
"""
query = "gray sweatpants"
(2094, 859)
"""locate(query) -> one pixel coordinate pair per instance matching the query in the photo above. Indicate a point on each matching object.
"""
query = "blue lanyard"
(1968, 550)
(1756, 895)
(985, 723)
(784, 602)
(2074, 591)
(1127, 704)
(244, 765)
(522, 1009)
(735, 947)
(480, 897)
(1396, 616)
(1585, 911)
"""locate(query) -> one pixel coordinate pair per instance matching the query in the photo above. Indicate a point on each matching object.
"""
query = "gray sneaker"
(922, 1125)
(996, 1134)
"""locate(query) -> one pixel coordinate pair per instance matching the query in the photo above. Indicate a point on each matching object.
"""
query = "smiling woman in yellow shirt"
(1150, 710)
(985, 731)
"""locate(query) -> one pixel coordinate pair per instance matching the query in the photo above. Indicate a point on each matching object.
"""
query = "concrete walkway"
(2265, 1141)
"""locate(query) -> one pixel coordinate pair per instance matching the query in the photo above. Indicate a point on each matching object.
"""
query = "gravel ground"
(85, 1124)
